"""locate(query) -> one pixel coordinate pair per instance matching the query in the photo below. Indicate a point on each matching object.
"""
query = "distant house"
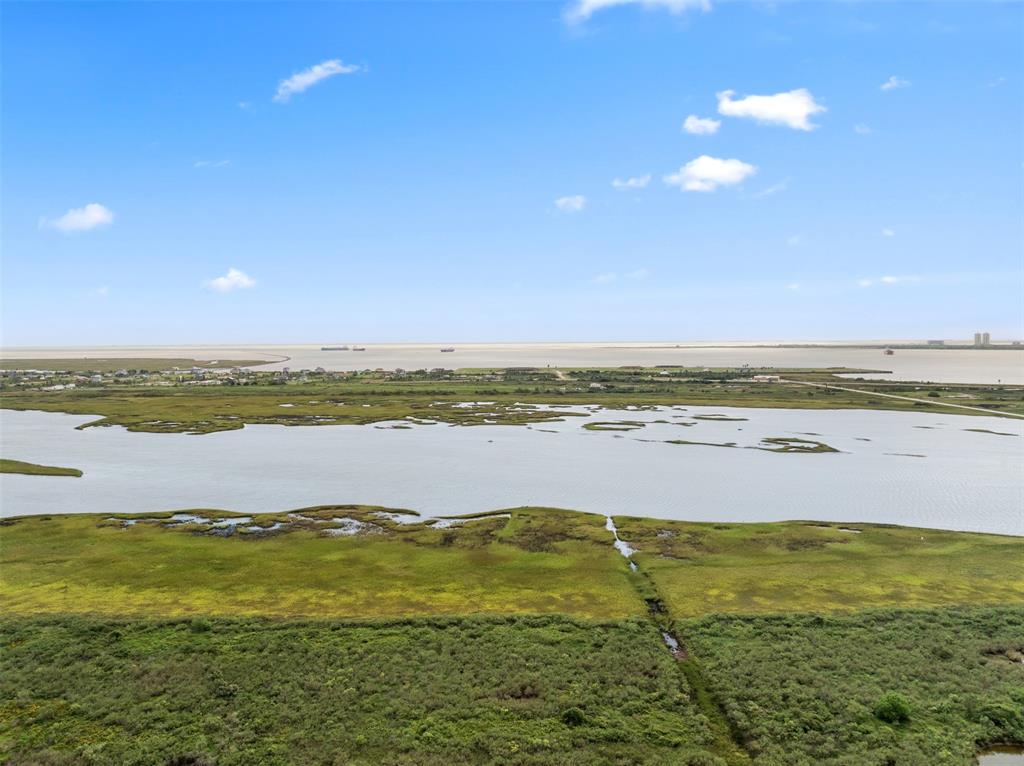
(766, 378)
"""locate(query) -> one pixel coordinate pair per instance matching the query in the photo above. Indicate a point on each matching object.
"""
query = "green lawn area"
(807, 567)
(34, 469)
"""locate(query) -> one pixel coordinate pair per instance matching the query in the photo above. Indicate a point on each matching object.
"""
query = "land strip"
(34, 469)
(904, 398)
(205, 401)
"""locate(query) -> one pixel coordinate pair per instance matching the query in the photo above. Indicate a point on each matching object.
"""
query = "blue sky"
(228, 173)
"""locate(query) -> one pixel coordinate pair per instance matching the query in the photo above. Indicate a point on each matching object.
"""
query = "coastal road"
(904, 398)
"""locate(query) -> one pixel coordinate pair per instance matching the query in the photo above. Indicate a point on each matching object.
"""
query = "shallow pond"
(1002, 756)
(944, 471)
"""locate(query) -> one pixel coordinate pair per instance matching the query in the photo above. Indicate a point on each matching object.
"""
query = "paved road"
(994, 413)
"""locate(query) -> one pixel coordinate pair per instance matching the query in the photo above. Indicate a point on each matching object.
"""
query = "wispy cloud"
(793, 108)
(705, 174)
(862, 130)
(781, 186)
(888, 232)
(571, 204)
(611, 276)
(101, 292)
(635, 182)
(92, 216)
(307, 78)
(701, 126)
(233, 280)
(887, 280)
(795, 241)
(211, 163)
(894, 82)
(581, 10)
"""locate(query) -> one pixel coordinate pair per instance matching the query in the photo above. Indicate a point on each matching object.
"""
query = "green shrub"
(573, 717)
(892, 708)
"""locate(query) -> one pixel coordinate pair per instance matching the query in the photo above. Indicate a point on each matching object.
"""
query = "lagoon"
(915, 469)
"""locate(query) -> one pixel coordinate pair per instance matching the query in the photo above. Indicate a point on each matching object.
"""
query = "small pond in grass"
(697, 463)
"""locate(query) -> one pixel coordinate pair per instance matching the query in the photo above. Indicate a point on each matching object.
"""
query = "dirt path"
(993, 413)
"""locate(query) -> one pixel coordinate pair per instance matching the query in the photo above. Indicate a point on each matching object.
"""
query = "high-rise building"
(977, 339)
(985, 339)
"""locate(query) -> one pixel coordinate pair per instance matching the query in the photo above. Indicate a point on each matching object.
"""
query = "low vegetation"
(537, 690)
(537, 562)
(34, 469)
(352, 561)
(799, 566)
(915, 688)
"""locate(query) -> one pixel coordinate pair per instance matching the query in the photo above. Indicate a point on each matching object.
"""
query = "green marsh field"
(518, 637)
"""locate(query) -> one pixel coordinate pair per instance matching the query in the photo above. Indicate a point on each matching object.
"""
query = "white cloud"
(211, 163)
(793, 286)
(307, 78)
(701, 126)
(581, 10)
(792, 108)
(244, 105)
(887, 232)
(781, 186)
(894, 82)
(795, 240)
(706, 174)
(571, 204)
(100, 292)
(85, 218)
(233, 280)
(605, 279)
(636, 182)
(861, 129)
(888, 280)
(638, 274)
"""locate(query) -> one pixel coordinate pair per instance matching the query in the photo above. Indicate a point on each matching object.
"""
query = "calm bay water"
(946, 366)
(902, 468)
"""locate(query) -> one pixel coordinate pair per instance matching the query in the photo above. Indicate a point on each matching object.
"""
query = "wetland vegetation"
(516, 637)
(204, 401)
(34, 469)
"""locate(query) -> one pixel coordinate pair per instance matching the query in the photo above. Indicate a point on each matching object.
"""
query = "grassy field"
(806, 566)
(34, 469)
(95, 364)
(525, 561)
(373, 398)
(535, 563)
